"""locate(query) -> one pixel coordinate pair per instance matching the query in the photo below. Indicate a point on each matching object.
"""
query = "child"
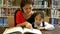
(39, 22)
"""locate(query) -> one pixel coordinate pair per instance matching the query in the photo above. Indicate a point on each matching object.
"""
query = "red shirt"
(19, 18)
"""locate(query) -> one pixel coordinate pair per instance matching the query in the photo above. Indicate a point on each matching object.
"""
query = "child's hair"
(42, 16)
(37, 13)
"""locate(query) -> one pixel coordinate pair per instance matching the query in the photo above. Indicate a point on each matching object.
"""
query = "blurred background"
(51, 9)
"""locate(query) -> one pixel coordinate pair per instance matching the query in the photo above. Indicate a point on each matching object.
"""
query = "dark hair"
(35, 14)
(24, 2)
(32, 18)
(42, 14)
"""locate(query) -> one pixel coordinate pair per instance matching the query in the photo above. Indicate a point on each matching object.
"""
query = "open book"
(19, 30)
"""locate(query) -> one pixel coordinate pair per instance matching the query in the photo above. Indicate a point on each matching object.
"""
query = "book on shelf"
(1, 21)
(0, 3)
(52, 13)
(0, 12)
(45, 4)
(7, 3)
(4, 3)
(58, 12)
(55, 3)
(16, 2)
(13, 11)
(10, 2)
(19, 30)
(55, 13)
(3, 12)
(53, 21)
(5, 22)
(9, 11)
(38, 4)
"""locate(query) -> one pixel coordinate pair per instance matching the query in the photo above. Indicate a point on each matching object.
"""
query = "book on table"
(19, 30)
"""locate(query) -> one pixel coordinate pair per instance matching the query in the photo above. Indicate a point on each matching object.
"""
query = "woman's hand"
(28, 25)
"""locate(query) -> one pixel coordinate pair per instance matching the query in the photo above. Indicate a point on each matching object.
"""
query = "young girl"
(39, 22)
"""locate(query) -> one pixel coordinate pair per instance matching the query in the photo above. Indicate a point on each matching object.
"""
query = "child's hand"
(41, 28)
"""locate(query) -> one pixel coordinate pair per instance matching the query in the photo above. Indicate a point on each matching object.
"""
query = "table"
(55, 31)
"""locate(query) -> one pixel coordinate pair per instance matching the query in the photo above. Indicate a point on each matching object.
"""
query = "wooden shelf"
(41, 8)
(47, 17)
(6, 16)
(11, 7)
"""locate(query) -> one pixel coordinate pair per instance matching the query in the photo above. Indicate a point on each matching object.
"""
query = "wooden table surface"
(55, 31)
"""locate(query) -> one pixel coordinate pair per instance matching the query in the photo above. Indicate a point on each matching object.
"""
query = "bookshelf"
(55, 10)
(42, 5)
(45, 6)
(8, 8)
(50, 8)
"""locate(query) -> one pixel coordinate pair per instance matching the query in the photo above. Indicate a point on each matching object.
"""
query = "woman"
(22, 16)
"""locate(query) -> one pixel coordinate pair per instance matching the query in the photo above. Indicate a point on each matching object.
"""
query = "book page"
(19, 30)
(12, 30)
(32, 31)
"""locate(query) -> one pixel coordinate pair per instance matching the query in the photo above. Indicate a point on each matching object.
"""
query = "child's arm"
(48, 26)
(41, 28)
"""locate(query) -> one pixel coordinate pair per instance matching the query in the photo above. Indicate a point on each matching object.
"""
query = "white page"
(36, 31)
(10, 30)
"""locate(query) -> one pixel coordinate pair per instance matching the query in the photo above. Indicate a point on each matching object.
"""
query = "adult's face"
(27, 9)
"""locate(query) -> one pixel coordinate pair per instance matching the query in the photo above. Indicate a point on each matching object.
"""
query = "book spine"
(13, 11)
(5, 22)
(2, 3)
(0, 12)
(1, 21)
(3, 12)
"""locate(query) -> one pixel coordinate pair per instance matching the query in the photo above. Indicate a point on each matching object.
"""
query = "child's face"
(38, 19)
